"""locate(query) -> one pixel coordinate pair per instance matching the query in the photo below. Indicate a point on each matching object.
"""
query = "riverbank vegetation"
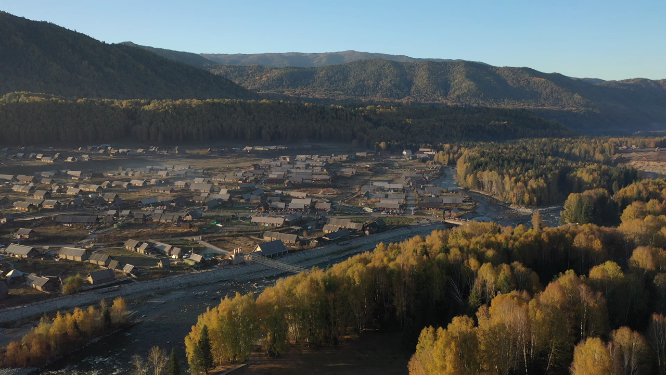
(53, 338)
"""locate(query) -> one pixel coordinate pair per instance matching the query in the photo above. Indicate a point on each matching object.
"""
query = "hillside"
(636, 104)
(43, 57)
(305, 60)
(39, 119)
(183, 57)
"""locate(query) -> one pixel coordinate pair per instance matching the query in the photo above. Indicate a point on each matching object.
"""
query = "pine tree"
(205, 350)
(174, 368)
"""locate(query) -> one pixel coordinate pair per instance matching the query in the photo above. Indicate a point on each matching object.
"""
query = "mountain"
(183, 57)
(305, 60)
(637, 104)
(42, 57)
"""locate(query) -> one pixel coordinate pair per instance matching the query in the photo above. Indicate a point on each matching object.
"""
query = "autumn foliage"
(63, 334)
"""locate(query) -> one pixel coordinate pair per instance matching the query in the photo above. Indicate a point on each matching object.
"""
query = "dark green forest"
(46, 58)
(34, 118)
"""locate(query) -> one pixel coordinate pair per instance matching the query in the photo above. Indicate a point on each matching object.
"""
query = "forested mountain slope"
(297, 59)
(636, 104)
(43, 57)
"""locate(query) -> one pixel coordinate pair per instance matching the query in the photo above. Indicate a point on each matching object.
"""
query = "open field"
(647, 160)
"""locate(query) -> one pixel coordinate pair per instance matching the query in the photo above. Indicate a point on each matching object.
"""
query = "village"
(93, 217)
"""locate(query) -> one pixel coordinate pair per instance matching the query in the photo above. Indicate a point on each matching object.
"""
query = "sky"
(608, 39)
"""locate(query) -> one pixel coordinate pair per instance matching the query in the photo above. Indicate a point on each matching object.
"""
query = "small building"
(131, 245)
(144, 248)
(195, 259)
(24, 206)
(21, 251)
(268, 221)
(41, 283)
(334, 236)
(114, 265)
(271, 249)
(100, 259)
(129, 269)
(74, 253)
(25, 233)
(284, 237)
(51, 204)
(101, 276)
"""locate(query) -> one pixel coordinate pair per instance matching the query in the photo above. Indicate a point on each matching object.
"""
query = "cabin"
(338, 235)
(269, 221)
(100, 259)
(284, 237)
(51, 204)
(25, 233)
(195, 259)
(101, 276)
(271, 249)
(42, 194)
(43, 284)
(131, 245)
(21, 251)
(129, 269)
(73, 253)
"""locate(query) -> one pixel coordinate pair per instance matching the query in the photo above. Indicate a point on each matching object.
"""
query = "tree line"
(534, 172)
(36, 118)
(64, 334)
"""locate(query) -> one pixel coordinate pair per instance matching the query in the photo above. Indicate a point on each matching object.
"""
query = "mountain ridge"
(42, 57)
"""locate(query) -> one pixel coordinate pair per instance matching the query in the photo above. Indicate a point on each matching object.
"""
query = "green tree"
(205, 350)
(174, 367)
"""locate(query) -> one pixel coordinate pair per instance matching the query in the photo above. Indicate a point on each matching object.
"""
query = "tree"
(630, 352)
(204, 351)
(591, 357)
(72, 284)
(537, 221)
(138, 365)
(158, 360)
(174, 367)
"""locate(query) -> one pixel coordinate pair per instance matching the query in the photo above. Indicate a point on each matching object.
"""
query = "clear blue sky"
(602, 39)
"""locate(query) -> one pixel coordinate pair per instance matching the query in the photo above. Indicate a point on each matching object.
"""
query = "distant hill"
(637, 104)
(305, 60)
(42, 57)
(183, 57)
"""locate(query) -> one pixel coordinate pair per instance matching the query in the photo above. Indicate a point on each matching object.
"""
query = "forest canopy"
(39, 118)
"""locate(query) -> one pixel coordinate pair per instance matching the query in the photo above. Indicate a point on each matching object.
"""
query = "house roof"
(24, 231)
(19, 249)
(39, 281)
(281, 236)
(128, 268)
(72, 251)
(131, 243)
(268, 220)
(271, 248)
(97, 257)
(196, 258)
(339, 234)
(102, 274)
